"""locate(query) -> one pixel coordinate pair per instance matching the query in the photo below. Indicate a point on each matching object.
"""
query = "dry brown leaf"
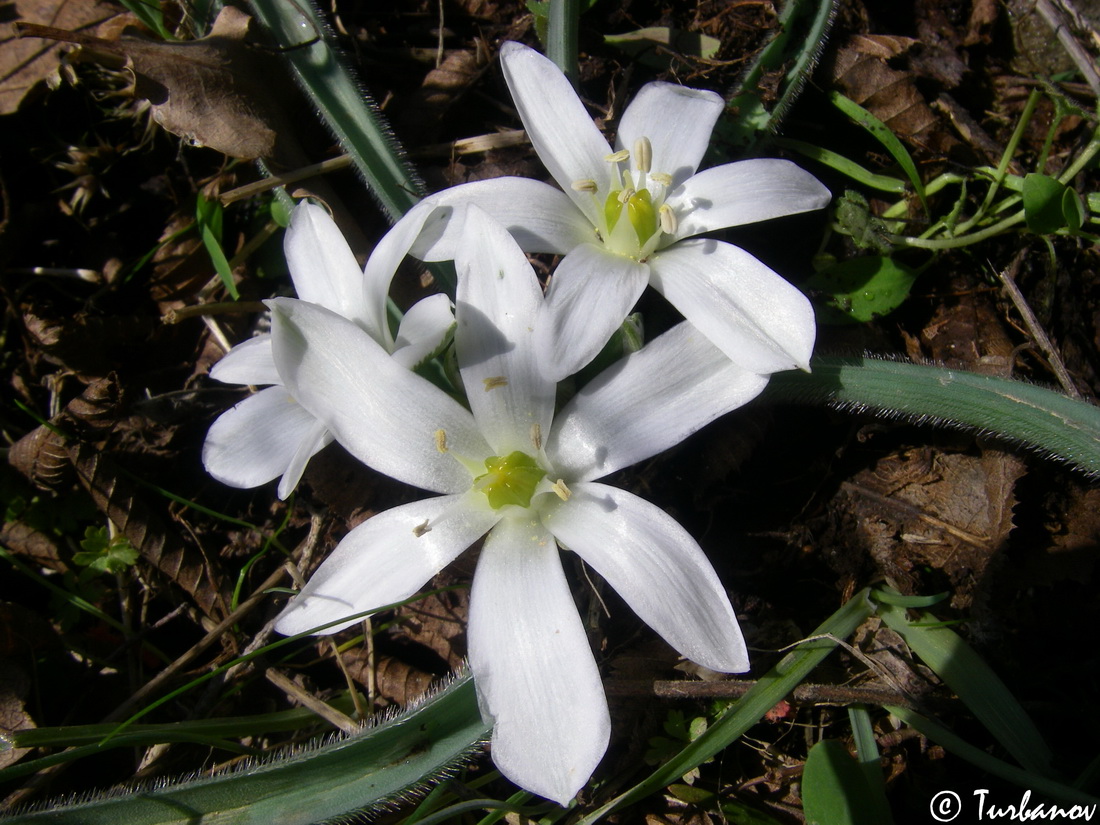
(25, 63)
(861, 73)
(441, 88)
(950, 511)
(13, 714)
(216, 91)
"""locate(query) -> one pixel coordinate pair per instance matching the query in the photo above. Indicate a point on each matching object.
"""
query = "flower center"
(509, 479)
(638, 194)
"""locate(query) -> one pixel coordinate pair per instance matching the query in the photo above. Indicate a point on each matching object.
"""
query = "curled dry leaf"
(24, 64)
(860, 71)
(217, 91)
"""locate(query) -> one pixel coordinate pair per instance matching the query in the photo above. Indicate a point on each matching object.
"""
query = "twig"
(1008, 278)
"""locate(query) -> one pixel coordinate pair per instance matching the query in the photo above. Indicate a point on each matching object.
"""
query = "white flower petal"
(423, 329)
(317, 438)
(567, 141)
(590, 295)
(322, 265)
(658, 568)
(498, 309)
(384, 414)
(536, 679)
(383, 263)
(539, 216)
(646, 403)
(678, 122)
(744, 192)
(255, 441)
(387, 559)
(749, 312)
(250, 362)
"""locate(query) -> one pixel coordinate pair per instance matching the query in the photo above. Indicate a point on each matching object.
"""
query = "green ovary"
(639, 210)
(509, 479)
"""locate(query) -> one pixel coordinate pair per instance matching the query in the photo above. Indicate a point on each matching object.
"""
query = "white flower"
(626, 218)
(511, 470)
(268, 434)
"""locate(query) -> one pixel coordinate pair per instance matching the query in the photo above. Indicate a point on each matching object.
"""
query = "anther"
(626, 194)
(662, 178)
(587, 185)
(494, 382)
(668, 219)
(618, 157)
(536, 435)
(560, 490)
(441, 441)
(421, 529)
(643, 154)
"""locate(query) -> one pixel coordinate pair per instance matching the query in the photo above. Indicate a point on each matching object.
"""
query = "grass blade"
(975, 683)
(880, 132)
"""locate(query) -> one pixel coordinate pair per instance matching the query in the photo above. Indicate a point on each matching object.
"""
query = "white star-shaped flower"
(268, 435)
(627, 218)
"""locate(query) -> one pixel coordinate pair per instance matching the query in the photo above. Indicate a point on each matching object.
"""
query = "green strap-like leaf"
(1037, 419)
(342, 102)
(309, 786)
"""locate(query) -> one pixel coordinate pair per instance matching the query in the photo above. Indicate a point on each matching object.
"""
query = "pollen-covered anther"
(662, 178)
(618, 157)
(643, 154)
(560, 490)
(669, 223)
(625, 195)
(536, 435)
(421, 529)
(588, 185)
(494, 382)
(441, 441)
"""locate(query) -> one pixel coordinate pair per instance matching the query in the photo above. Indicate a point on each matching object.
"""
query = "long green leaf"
(880, 132)
(309, 786)
(975, 683)
(834, 789)
(1024, 415)
(750, 708)
(307, 40)
(996, 767)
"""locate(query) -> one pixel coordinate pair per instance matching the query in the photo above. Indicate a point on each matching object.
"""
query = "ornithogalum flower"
(627, 218)
(511, 470)
(268, 435)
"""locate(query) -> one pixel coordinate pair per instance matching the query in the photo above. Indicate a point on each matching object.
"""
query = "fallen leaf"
(13, 713)
(216, 91)
(26, 63)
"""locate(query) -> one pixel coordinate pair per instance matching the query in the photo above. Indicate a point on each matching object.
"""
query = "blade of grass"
(978, 757)
(867, 755)
(839, 163)
(881, 132)
(975, 683)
